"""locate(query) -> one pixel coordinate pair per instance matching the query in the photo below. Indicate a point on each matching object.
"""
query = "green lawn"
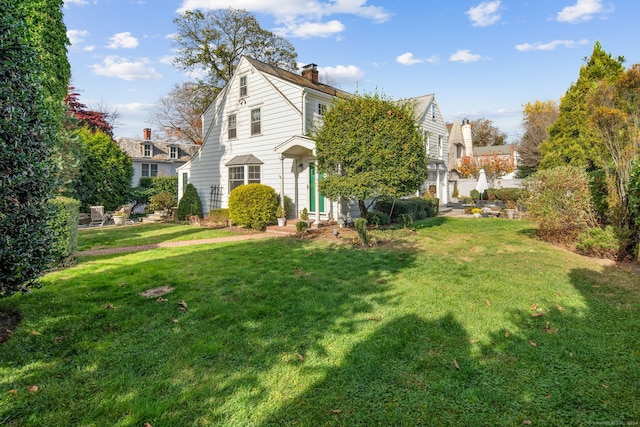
(467, 322)
(143, 234)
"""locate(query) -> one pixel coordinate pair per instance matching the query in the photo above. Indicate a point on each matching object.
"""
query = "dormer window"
(146, 150)
(243, 86)
(173, 152)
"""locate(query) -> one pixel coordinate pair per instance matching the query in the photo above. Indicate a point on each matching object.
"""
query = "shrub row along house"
(256, 131)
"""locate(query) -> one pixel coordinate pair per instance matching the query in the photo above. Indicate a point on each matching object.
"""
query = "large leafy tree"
(178, 115)
(214, 41)
(27, 134)
(485, 133)
(104, 176)
(614, 114)
(572, 138)
(537, 118)
(370, 146)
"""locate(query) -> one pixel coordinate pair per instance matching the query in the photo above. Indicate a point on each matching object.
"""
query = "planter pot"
(477, 215)
(118, 220)
(282, 222)
(510, 213)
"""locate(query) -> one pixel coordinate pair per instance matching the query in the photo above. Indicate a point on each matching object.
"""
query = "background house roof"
(161, 150)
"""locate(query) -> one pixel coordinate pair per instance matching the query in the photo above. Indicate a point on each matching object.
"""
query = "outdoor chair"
(98, 217)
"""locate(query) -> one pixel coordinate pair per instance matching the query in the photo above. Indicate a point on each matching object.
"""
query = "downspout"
(304, 112)
(282, 181)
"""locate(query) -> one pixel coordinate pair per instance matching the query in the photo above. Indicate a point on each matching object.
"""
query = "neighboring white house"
(256, 131)
(460, 145)
(155, 158)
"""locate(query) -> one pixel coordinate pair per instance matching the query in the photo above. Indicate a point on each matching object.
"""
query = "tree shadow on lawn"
(253, 308)
(580, 368)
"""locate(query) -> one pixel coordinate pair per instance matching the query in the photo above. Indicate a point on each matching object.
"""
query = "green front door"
(312, 189)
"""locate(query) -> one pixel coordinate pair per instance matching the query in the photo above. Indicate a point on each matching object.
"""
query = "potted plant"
(281, 215)
(511, 208)
(118, 218)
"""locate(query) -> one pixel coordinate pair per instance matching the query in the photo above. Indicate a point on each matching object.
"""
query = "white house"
(155, 158)
(256, 131)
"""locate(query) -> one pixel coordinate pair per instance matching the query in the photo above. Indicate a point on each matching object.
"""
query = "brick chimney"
(147, 133)
(310, 72)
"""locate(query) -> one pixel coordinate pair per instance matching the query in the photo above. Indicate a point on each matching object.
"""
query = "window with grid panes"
(236, 177)
(243, 86)
(254, 174)
(231, 122)
(256, 128)
(173, 152)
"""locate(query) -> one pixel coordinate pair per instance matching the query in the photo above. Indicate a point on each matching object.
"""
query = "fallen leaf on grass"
(147, 425)
(336, 411)
(375, 319)
(559, 307)
(109, 306)
(60, 339)
(604, 386)
(160, 299)
(33, 389)
(487, 302)
(14, 391)
(533, 307)
(548, 330)
(475, 341)
(506, 334)
(183, 305)
(34, 332)
(300, 357)
(455, 363)
(121, 284)
(175, 320)
(533, 344)
(538, 314)
(526, 423)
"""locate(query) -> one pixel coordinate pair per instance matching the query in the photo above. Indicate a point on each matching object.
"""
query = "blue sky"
(480, 58)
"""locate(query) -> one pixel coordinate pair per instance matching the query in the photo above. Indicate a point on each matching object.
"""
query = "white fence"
(466, 185)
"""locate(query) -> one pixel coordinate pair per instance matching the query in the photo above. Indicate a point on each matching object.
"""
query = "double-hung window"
(173, 152)
(149, 170)
(146, 150)
(256, 128)
(232, 126)
(243, 86)
(254, 174)
(236, 177)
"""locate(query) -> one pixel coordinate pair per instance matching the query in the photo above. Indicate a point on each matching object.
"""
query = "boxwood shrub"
(253, 206)
(190, 203)
(418, 207)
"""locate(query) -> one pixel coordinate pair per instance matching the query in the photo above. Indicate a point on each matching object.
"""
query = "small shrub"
(605, 242)
(378, 218)
(405, 221)
(253, 206)
(455, 193)
(304, 214)
(219, 216)
(361, 227)
(64, 224)
(418, 207)
(190, 203)
(280, 212)
(560, 201)
(475, 194)
(301, 227)
(162, 201)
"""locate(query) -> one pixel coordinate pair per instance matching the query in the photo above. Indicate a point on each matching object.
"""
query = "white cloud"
(552, 45)
(116, 66)
(582, 11)
(166, 60)
(408, 59)
(485, 13)
(464, 55)
(78, 2)
(298, 18)
(122, 40)
(342, 73)
(311, 29)
(77, 38)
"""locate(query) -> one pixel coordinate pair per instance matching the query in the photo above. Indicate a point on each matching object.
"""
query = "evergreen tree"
(572, 139)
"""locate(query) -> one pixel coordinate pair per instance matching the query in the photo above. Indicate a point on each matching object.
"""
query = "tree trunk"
(363, 209)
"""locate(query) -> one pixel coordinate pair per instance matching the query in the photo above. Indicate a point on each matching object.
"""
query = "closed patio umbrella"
(482, 184)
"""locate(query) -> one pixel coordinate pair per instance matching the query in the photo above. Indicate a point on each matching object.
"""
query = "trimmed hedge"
(253, 206)
(418, 207)
(64, 224)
